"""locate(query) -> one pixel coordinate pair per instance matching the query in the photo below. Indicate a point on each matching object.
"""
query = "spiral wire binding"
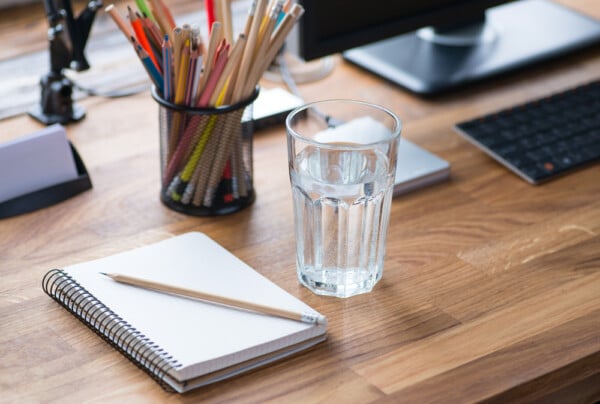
(121, 335)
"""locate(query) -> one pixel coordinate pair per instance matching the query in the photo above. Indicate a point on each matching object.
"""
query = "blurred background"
(114, 67)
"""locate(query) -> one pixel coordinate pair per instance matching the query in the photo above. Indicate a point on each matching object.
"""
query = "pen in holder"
(206, 157)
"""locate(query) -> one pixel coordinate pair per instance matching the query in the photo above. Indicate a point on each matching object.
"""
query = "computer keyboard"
(543, 138)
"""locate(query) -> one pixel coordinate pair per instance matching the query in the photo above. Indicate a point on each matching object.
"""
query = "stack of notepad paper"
(181, 342)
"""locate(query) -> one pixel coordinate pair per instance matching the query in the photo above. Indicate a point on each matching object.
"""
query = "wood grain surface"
(490, 291)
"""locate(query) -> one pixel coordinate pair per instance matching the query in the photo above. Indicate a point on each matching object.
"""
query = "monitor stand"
(514, 35)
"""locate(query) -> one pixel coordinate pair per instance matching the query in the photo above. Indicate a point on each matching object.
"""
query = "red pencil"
(210, 13)
(136, 24)
(213, 77)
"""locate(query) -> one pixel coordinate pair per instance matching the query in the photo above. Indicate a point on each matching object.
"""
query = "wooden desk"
(491, 286)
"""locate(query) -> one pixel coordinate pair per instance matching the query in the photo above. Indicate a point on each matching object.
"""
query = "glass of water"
(342, 160)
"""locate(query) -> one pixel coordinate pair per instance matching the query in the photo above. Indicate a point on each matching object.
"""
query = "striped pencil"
(153, 72)
(167, 55)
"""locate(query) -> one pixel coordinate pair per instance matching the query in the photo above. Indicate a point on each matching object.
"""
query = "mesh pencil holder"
(206, 157)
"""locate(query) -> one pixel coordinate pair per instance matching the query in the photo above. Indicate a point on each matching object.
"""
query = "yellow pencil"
(182, 74)
(178, 42)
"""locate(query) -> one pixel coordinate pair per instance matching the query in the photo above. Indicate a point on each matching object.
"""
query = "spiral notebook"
(183, 343)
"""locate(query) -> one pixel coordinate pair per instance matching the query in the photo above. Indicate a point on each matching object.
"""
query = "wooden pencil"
(159, 15)
(248, 56)
(123, 26)
(178, 43)
(209, 6)
(153, 72)
(167, 56)
(226, 19)
(140, 35)
(208, 151)
(224, 152)
(277, 40)
(202, 168)
(191, 73)
(213, 43)
(144, 9)
(179, 81)
(152, 30)
(232, 62)
(263, 44)
(167, 14)
(311, 318)
(184, 146)
(200, 147)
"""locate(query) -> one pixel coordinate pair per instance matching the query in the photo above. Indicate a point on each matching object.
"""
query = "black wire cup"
(206, 157)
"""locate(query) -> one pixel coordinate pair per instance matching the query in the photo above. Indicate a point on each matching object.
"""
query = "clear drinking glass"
(342, 161)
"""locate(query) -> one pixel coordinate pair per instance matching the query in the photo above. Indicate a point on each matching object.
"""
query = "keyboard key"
(545, 137)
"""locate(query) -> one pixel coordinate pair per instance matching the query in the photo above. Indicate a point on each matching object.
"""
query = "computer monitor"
(429, 46)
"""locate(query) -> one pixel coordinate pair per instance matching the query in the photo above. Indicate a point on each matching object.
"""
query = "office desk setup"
(490, 290)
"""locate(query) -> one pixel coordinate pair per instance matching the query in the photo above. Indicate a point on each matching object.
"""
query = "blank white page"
(202, 337)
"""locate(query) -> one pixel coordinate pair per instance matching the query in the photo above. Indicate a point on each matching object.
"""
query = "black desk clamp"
(66, 46)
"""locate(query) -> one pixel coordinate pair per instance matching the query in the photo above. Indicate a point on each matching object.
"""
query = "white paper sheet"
(35, 161)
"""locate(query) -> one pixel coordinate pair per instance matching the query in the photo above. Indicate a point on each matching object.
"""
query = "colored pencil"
(210, 13)
(167, 56)
(123, 26)
(201, 151)
(140, 35)
(153, 72)
(144, 9)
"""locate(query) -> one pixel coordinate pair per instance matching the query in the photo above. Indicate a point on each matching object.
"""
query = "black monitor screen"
(331, 26)
(428, 46)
